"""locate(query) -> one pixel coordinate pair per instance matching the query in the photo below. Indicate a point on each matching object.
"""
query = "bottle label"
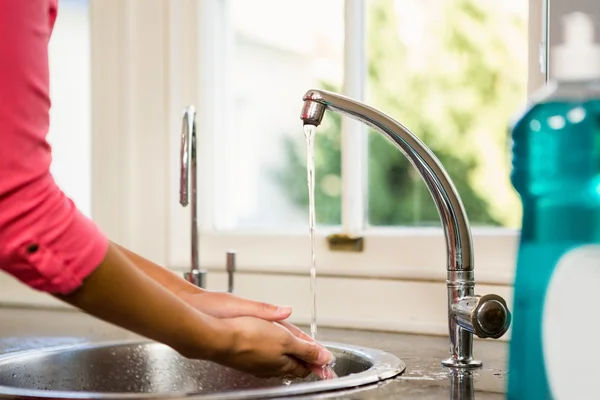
(571, 325)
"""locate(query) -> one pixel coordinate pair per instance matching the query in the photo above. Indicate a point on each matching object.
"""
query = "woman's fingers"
(324, 372)
(240, 307)
(298, 369)
(226, 305)
(299, 333)
(269, 312)
(310, 352)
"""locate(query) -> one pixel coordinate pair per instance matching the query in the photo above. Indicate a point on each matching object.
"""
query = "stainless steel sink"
(148, 370)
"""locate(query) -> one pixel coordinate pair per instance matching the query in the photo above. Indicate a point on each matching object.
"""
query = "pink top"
(45, 241)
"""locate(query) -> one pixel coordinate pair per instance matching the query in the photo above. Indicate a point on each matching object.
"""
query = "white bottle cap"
(578, 57)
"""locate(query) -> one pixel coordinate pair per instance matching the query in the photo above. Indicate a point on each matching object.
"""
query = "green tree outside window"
(459, 103)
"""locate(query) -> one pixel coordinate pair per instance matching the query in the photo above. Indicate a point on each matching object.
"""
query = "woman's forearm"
(163, 276)
(217, 304)
(119, 293)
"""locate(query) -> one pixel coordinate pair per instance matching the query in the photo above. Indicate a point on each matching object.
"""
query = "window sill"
(413, 254)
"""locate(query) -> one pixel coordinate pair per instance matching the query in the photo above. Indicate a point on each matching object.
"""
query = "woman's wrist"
(206, 337)
(167, 278)
(202, 335)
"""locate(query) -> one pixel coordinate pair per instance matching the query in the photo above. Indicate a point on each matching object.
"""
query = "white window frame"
(185, 44)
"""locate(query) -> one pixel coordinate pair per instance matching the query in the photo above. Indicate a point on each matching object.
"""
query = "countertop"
(424, 378)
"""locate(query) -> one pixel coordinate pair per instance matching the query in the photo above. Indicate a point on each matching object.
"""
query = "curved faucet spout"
(465, 315)
(454, 218)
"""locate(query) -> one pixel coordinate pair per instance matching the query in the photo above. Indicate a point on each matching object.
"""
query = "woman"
(46, 243)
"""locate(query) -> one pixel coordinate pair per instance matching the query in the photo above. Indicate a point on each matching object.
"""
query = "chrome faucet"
(188, 162)
(485, 316)
(187, 157)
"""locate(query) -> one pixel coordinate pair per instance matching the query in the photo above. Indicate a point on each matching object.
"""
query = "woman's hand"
(217, 304)
(322, 371)
(222, 306)
(268, 349)
(227, 305)
(119, 293)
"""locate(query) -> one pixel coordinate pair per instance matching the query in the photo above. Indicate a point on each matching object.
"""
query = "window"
(262, 182)
(150, 59)
(453, 71)
(70, 114)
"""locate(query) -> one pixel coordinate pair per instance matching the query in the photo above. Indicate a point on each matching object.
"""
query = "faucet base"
(196, 277)
(461, 363)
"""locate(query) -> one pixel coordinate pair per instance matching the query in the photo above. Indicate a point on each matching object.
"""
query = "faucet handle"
(485, 316)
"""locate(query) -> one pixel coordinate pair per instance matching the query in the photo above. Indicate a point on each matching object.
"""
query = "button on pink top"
(45, 242)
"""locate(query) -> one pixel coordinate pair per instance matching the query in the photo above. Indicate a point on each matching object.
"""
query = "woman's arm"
(119, 293)
(49, 245)
(221, 305)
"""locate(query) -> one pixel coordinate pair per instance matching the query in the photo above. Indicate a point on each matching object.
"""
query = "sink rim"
(385, 366)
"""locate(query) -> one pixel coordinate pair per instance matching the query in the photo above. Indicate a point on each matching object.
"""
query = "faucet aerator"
(312, 112)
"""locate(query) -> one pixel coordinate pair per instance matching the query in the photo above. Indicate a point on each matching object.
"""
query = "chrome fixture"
(468, 314)
(230, 265)
(188, 162)
(187, 157)
(461, 385)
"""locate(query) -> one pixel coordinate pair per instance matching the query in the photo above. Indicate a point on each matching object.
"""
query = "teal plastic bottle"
(556, 171)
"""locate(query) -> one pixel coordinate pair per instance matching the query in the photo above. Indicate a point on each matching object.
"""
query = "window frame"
(140, 209)
(151, 58)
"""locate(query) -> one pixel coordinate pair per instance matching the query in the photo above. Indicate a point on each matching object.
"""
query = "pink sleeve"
(45, 241)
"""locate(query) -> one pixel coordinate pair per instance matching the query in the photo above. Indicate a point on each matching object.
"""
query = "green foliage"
(458, 102)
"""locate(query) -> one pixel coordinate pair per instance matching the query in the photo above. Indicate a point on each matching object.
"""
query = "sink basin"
(149, 370)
